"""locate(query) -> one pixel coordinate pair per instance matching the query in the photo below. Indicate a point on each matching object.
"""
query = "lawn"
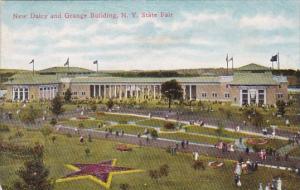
(193, 138)
(209, 131)
(68, 150)
(295, 152)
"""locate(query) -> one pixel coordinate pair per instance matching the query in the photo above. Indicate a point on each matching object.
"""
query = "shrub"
(53, 122)
(87, 151)
(164, 170)
(19, 134)
(154, 133)
(169, 125)
(81, 125)
(4, 128)
(198, 164)
(154, 174)
(46, 131)
(124, 186)
(93, 107)
(53, 138)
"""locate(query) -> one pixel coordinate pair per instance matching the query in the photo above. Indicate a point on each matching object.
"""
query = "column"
(184, 92)
(159, 91)
(109, 91)
(154, 92)
(190, 92)
(115, 91)
(126, 88)
(99, 91)
(256, 100)
(120, 92)
(136, 92)
(143, 91)
(18, 93)
(94, 91)
(248, 98)
(131, 92)
(104, 91)
(148, 91)
(265, 96)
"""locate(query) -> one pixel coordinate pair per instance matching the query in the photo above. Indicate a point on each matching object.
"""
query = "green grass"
(68, 150)
(131, 129)
(193, 138)
(209, 131)
(153, 122)
(295, 152)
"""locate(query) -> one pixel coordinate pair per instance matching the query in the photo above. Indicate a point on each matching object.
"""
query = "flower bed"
(215, 164)
(82, 117)
(257, 141)
(123, 147)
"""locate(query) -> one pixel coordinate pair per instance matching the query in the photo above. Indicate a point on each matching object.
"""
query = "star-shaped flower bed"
(100, 173)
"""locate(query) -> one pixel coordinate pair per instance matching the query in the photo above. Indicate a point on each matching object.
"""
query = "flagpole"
(278, 63)
(33, 67)
(97, 66)
(227, 62)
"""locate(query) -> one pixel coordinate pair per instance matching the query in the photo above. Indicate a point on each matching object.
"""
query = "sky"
(197, 34)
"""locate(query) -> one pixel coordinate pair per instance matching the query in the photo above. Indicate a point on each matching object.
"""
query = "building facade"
(251, 84)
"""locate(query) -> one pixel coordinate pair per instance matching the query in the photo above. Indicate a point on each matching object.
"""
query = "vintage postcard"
(150, 95)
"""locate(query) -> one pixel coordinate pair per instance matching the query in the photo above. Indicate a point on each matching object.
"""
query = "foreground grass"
(66, 150)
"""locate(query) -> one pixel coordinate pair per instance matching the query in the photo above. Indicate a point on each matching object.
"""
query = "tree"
(28, 115)
(280, 107)
(46, 131)
(68, 95)
(109, 104)
(34, 174)
(57, 106)
(172, 91)
(154, 133)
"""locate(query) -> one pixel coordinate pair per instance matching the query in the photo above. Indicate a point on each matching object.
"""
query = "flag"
(231, 59)
(274, 58)
(95, 62)
(227, 58)
(32, 61)
(67, 63)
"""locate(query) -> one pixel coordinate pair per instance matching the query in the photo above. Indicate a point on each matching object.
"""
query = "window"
(227, 95)
(203, 95)
(227, 85)
(82, 93)
(279, 95)
(261, 97)
(244, 97)
(214, 95)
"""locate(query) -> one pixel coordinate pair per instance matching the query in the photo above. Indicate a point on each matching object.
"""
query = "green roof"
(207, 79)
(29, 79)
(65, 70)
(253, 67)
(248, 78)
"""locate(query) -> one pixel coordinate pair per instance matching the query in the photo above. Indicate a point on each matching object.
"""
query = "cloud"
(267, 22)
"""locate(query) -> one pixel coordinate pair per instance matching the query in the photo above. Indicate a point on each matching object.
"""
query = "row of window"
(76, 93)
(214, 95)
